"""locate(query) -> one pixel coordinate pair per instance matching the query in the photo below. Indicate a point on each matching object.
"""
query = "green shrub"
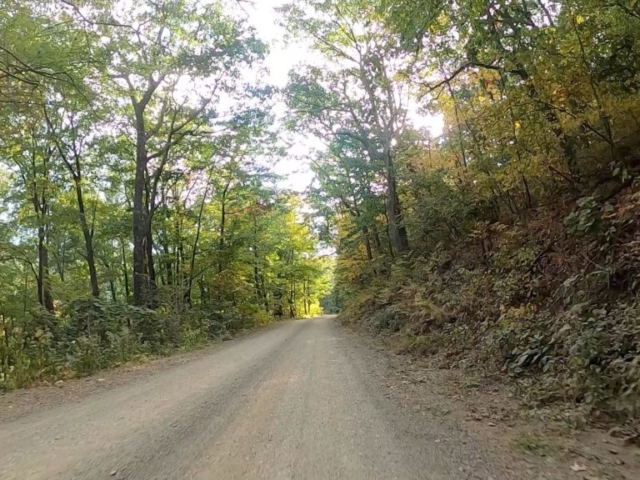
(589, 356)
(85, 355)
(386, 319)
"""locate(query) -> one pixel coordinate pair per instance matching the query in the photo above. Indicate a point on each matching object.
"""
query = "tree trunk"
(194, 250)
(59, 259)
(265, 295)
(203, 292)
(41, 207)
(389, 242)
(112, 287)
(458, 123)
(292, 300)
(223, 219)
(397, 230)
(367, 242)
(141, 221)
(261, 293)
(87, 233)
(125, 271)
(181, 274)
(258, 279)
(44, 282)
(140, 281)
(152, 285)
(75, 169)
(376, 240)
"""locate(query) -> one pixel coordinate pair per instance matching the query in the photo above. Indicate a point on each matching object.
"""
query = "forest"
(508, 243)
(141, 214)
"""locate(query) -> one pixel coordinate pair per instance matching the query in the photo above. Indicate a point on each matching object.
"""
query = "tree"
(358, 97)
(515, 210)
(173, 73)
(149, 115)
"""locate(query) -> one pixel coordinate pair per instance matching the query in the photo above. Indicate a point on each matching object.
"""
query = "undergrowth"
(553, 305)
(93, 335)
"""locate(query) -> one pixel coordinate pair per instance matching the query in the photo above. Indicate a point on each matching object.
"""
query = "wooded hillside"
(511, 241)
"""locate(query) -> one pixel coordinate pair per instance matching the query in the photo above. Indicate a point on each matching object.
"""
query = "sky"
(283, 57)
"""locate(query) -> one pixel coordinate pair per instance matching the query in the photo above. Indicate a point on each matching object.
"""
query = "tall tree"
(172, 61)
(359, 96)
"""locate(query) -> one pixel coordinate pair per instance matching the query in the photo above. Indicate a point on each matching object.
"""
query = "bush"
(90, 335)
(386, 319)
(590, 357)
(559, 315)
(27, 352)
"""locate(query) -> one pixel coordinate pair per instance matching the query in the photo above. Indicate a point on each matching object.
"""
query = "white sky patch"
(434, 124)
(282, 58)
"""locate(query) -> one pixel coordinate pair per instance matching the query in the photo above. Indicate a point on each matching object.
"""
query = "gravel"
(302, 400)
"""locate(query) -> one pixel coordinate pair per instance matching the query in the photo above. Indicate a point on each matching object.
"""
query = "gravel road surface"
(301, 400)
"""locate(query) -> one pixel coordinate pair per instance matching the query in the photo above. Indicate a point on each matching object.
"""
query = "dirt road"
(301, 400)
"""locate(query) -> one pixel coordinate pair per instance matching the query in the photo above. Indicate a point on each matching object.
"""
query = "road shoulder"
(488, 412)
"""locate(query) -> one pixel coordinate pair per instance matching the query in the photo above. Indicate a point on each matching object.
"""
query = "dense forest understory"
(478, 181)
(510, 241)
